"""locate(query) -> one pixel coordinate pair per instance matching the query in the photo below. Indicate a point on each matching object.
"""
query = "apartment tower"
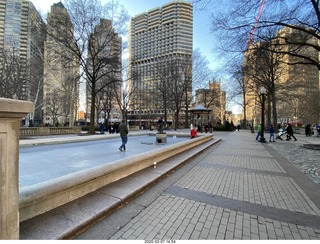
(22, 35)
(158, 38)
(105, 59)
(61, 72)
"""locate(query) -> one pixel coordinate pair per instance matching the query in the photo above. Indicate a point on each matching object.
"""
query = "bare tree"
(237, 23)
(161, 78)
(95, 45)
(123, 93)
(178, 85)
(13, 74)
(54, 106)
(172, 89)
(295, 36)
(201, 73)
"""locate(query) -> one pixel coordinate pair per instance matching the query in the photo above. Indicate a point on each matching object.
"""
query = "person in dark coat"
(101, 128)
(123, 130)
(308, 130)
(290, 133)
(271, 132)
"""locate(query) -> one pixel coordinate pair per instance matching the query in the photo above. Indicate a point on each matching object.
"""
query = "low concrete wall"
(42, 197)
(42, 131)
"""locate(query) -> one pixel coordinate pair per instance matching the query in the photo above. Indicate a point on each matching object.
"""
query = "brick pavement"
(241, 189)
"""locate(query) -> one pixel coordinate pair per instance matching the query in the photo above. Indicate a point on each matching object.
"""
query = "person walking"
(290, 133)
(259, 131)
(308, 130)
(271, 131)
(123, 130)
(101, 128)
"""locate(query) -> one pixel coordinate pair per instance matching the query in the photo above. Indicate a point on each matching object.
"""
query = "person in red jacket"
(193, 132)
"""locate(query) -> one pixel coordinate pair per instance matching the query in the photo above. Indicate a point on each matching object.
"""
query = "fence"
(42, 131)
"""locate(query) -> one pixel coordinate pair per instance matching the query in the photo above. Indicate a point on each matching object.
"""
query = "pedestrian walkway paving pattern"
(238, 191)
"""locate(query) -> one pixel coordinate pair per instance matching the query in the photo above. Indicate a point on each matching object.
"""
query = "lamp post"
(263, 92)
(253, 117)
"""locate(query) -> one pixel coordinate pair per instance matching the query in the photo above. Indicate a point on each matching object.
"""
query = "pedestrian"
(101, 128)
(259, 131)
(271, 131)
(238, 127)
(193, 132)
(308, 130)
(290, 132)
(210, 128)
(123, 130)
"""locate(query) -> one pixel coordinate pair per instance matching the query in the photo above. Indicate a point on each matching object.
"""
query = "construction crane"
(255, 24)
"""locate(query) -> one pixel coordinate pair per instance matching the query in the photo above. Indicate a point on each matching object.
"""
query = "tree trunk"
(274, 112)
(71, 120)
(92, 110)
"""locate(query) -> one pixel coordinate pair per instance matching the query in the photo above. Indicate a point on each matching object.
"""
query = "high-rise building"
(62, 69)
(14, 17)
(159, 38)
(22, 35)
(104, 62)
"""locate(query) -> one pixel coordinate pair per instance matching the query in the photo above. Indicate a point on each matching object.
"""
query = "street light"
(253, 117)
(263, 92)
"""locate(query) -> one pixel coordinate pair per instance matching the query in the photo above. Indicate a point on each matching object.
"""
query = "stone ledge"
(67, 220)
(40, 198)
(10, 108)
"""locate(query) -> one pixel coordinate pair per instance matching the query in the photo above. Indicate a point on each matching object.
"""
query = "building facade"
(22, 35)
(293, 84)
(214, 99)
(61, 70)
(159, 39)
(105, 63)
(302, 80)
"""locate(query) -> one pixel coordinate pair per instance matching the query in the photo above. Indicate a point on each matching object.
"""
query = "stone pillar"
(11, 112)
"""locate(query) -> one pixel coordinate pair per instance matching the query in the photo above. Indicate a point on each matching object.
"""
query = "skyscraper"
(61, 72)
(158, 38)
(14, 25)
(104, 62)
(22, 35)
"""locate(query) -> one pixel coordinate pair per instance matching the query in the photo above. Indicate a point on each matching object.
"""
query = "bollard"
(11, 112)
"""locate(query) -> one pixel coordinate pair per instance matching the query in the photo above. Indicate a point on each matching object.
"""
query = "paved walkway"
(238, 189)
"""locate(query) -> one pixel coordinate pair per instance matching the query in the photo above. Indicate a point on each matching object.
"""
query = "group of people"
(288, 131)
(111, 128)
